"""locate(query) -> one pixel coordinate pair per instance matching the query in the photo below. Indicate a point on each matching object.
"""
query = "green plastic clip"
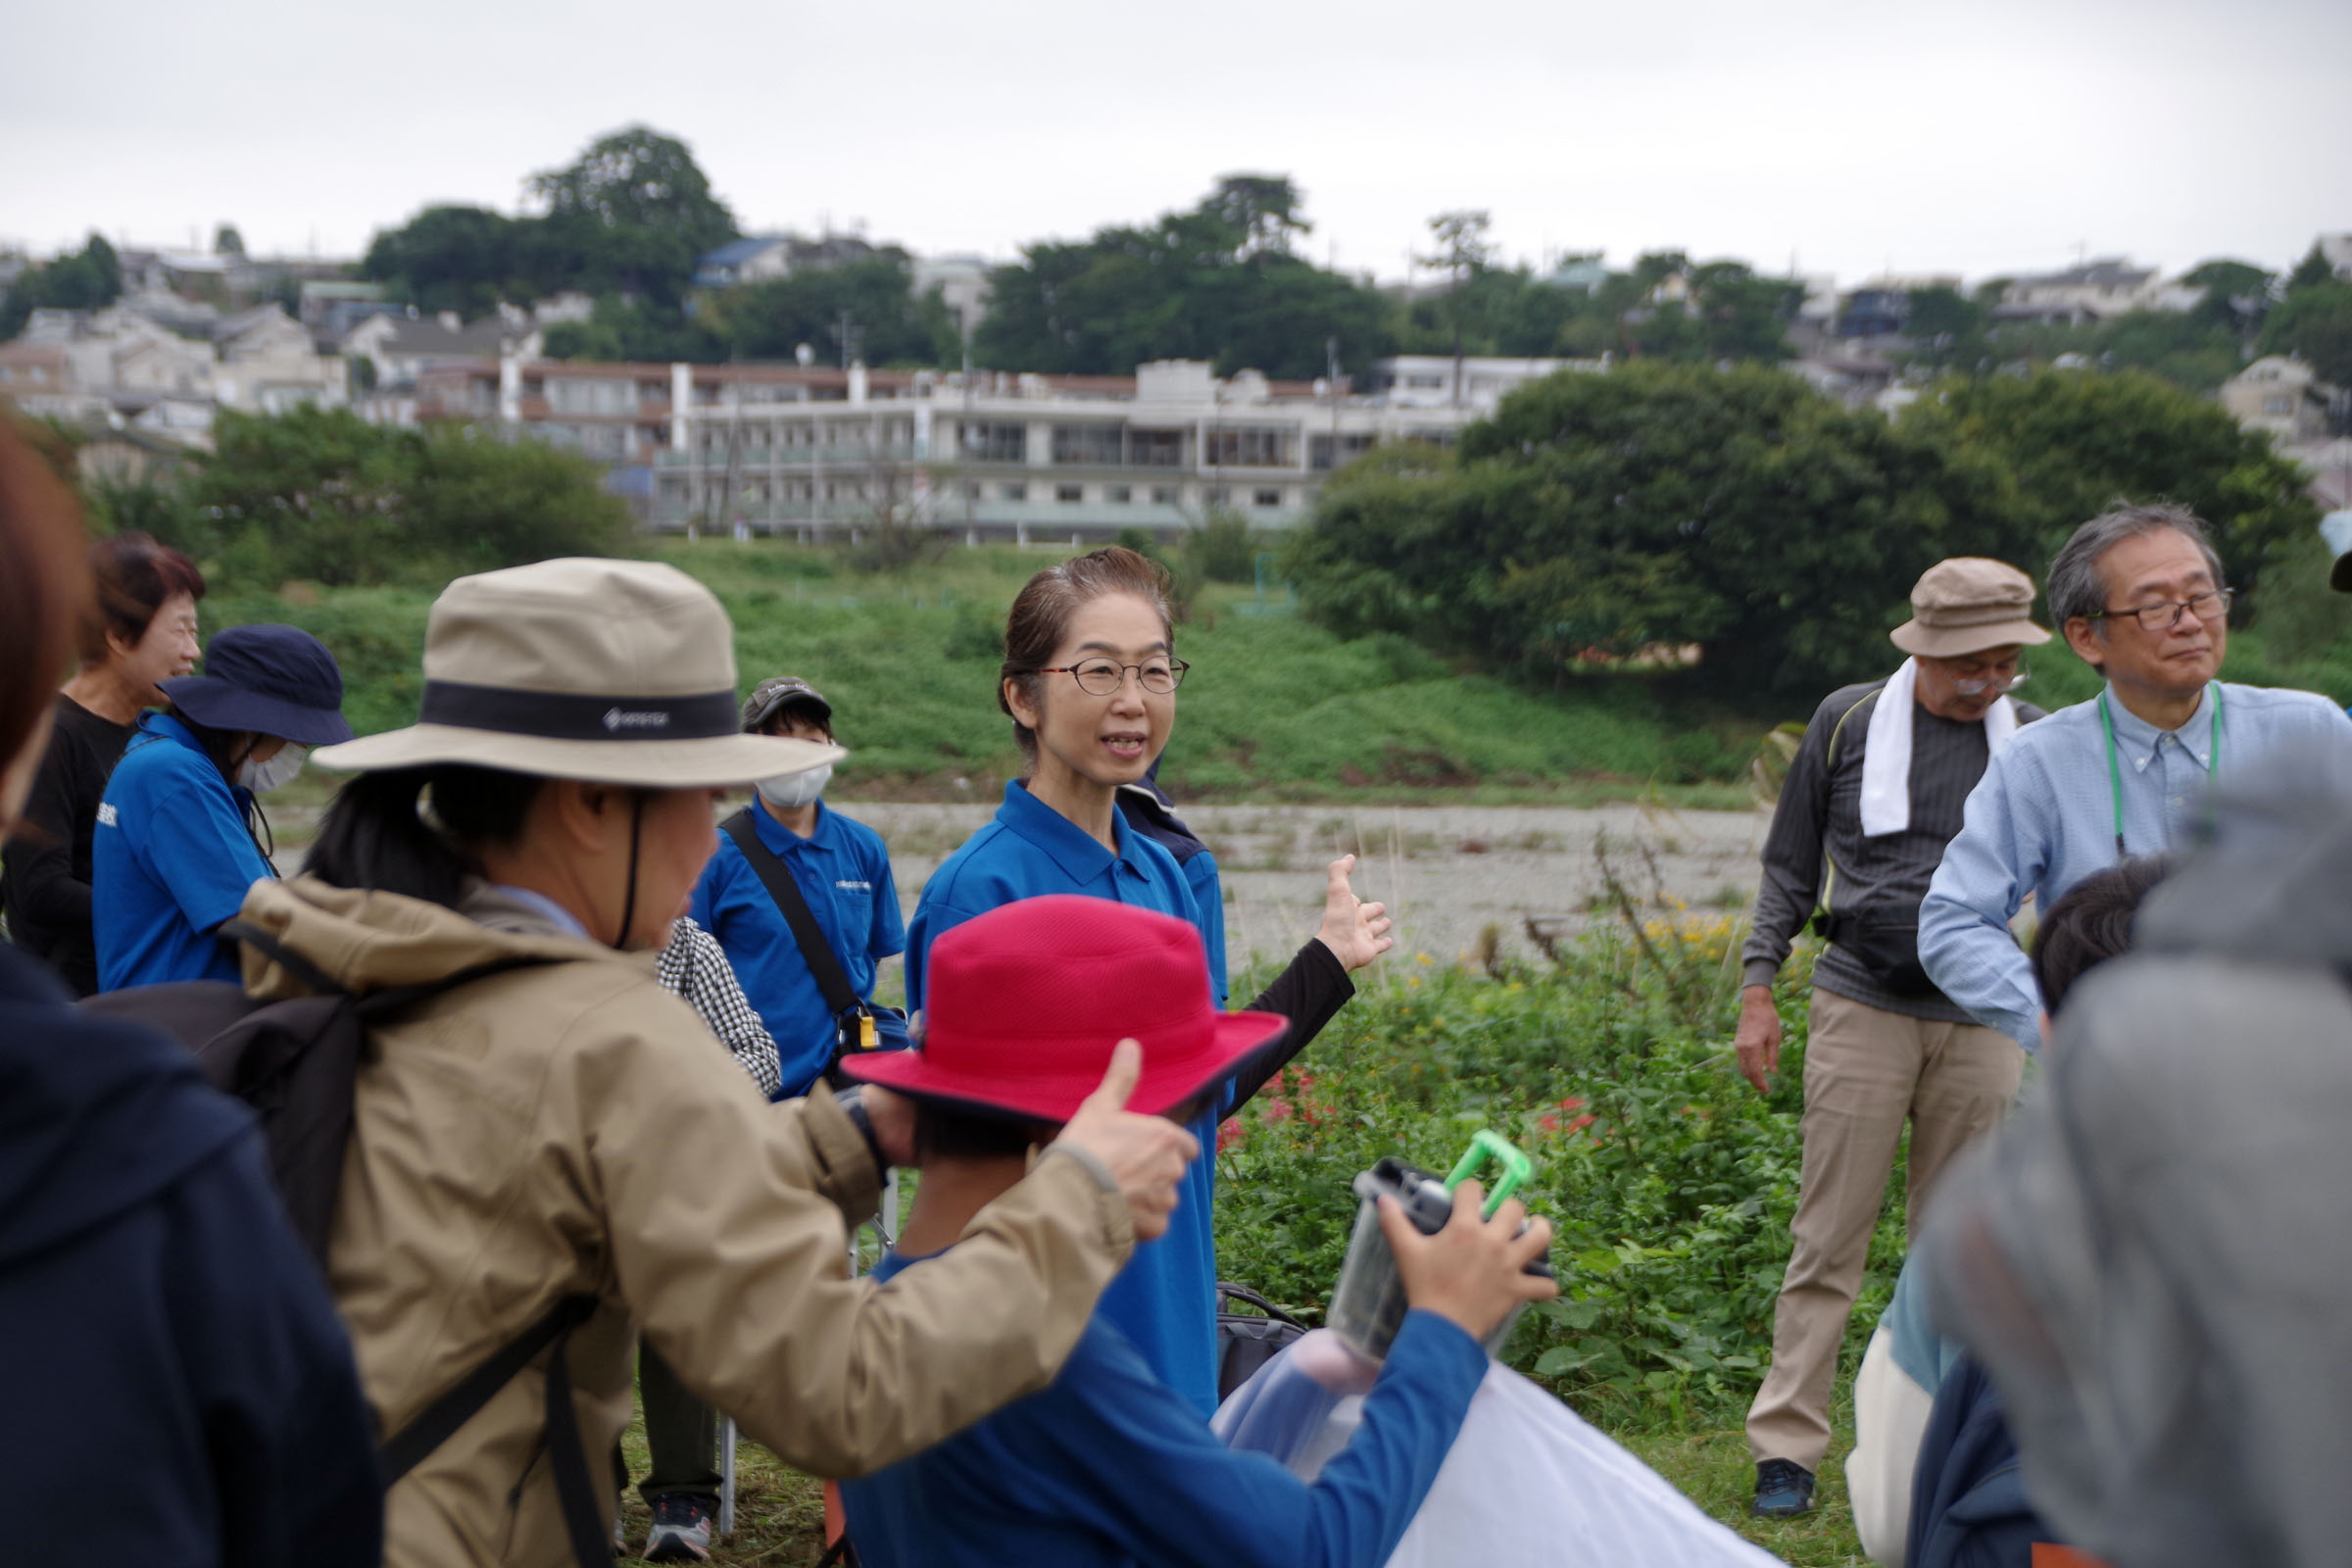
(1490, 1145)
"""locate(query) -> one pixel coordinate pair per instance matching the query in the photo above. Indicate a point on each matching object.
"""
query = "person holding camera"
(1874, 794)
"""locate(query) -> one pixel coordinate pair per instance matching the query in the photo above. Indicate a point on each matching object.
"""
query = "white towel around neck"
(1886, 751)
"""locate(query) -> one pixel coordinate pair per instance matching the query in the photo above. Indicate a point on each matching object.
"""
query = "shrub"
(1668, 1181)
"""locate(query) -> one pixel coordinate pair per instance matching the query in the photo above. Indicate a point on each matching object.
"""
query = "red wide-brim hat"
(1025, 1003)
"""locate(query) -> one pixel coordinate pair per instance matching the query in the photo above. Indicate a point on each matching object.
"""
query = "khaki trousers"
(1866, 1071)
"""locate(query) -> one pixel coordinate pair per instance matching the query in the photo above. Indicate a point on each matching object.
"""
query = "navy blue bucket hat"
(272, 680)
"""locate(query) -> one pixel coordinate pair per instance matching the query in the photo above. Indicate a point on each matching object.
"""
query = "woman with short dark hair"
(140, 630)
(180, 833)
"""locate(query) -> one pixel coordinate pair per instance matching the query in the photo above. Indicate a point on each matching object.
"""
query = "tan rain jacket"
(573, 1128)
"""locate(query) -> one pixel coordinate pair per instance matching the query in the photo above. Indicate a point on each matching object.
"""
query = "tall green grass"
(1275, 708)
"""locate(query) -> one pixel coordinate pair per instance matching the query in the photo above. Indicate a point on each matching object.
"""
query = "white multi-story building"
(817, 452)
(1045, 456)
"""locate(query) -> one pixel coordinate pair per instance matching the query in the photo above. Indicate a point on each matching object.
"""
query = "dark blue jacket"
(1968, 1497)
(179, 1393)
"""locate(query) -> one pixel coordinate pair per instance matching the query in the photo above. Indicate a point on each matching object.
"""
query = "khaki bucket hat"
(610, 671)
(1966, 604)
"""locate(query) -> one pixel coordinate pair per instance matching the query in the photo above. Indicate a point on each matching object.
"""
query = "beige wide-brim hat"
(609, 671)
(1966, 604)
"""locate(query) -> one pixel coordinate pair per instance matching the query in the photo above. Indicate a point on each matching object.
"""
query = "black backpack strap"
(315, 979)
(1242, 1292)
(568, 1454)
(566, 1451)
(438, 1421)
(823, 967)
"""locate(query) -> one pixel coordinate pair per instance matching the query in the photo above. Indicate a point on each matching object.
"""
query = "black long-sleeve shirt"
(1816, 855)
(48, 863)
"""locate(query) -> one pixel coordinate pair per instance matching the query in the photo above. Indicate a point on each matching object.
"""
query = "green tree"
(2056, 449)
(887, 322)
(2314, 322)
(630, 214)
(2237, 294)
(1657, 504)
(2187, 348)
(321, 494)
(1945, 326)
(461, 259)
(84, 280)
(2312, 271)
(1215, 282)
(226, 241)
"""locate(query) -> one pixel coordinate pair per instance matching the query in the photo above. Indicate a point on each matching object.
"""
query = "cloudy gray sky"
(1995, 136)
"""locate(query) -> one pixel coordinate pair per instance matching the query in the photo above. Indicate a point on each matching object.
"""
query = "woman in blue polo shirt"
(1090, 680)
(842, 870)
(179, 837)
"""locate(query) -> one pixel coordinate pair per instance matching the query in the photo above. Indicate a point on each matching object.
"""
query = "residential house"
(748, 259)
(2094, 291)
(2282, 395)
(268, 364)
(1430, 380)
(403, 348)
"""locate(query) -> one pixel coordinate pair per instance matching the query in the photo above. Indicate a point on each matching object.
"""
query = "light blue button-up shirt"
(2044, 818)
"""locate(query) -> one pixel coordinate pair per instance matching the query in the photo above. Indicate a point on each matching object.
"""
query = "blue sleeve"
(2001, 854)
(1146, 1471)
(1208, 900)
(932, 918)
(199, 851)
(889, 934)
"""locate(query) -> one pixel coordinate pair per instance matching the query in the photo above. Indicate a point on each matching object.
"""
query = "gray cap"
(777, 691)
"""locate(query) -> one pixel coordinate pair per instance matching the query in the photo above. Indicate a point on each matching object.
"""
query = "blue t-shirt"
(1165, 1298)
(843, 870)
(170, 860)
(1107, 1466)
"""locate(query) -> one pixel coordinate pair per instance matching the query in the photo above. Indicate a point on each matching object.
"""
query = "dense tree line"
(627, 218)
(320, 495)
(1662, 507)
(89, 278)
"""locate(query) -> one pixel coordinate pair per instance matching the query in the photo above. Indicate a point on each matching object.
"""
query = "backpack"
(295, 1063)
(1969, 1507)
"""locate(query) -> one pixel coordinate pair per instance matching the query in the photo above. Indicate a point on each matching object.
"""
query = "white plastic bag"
(1528, 1483)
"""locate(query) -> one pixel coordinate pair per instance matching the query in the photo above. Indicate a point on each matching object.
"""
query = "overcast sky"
(1994, 136)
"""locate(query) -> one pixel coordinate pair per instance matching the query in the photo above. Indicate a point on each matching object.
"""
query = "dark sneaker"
(1784, 1490)
(681, 1530)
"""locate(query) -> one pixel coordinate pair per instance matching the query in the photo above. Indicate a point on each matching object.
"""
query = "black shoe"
(681, 1531)
(1784, 1490)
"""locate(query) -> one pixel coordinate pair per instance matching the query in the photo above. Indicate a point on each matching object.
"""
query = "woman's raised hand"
(1354, 931)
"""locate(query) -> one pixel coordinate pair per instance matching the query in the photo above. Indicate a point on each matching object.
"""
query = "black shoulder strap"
(568, 1455)
(1226, 1289)
(822, 965)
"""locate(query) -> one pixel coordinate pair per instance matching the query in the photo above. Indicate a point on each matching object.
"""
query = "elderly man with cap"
(1872, 798)
(2139, 595)
(789, 844)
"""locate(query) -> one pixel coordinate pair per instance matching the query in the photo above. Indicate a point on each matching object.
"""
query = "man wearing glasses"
(1871, 800)
(2138, 593)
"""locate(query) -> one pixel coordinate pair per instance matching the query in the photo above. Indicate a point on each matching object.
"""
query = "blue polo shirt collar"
(162, 726)
(781, 840)
(1079, 854)
(2138, 739)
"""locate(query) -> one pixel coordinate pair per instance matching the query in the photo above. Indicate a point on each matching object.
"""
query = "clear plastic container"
(1368, 1306)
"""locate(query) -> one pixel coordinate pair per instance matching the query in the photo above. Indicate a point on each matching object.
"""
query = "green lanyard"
(2115, 766)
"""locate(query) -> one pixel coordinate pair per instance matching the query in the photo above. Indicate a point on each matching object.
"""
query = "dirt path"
(1447, 872)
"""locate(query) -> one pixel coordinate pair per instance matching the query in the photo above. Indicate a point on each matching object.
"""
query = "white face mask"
(275, 773)
(791, 791)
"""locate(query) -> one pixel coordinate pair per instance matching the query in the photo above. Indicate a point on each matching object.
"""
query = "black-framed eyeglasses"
(2212, 605)
(1102, 677)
